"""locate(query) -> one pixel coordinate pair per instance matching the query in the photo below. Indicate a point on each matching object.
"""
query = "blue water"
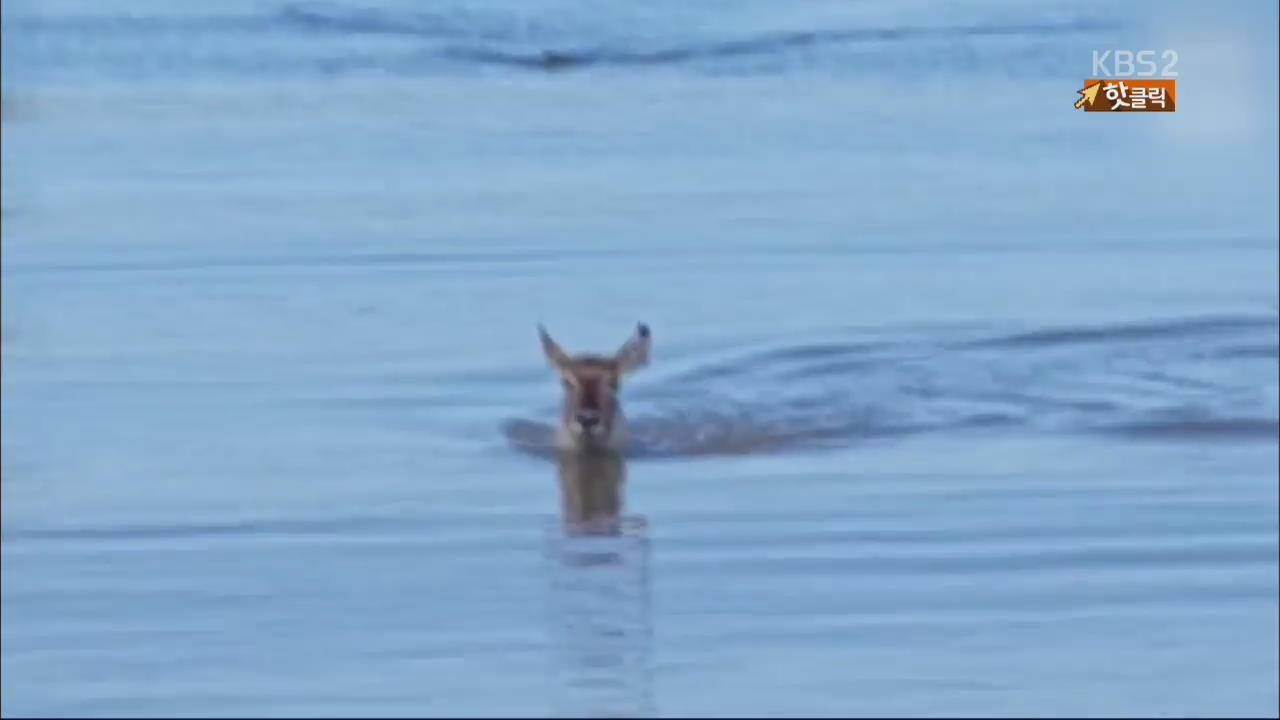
(962, 402)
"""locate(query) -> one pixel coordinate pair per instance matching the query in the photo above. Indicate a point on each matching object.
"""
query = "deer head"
(591, 414)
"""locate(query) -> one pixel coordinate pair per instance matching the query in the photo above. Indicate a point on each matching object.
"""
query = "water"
(961, 402)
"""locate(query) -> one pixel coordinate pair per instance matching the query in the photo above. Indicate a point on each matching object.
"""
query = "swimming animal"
(591, 413)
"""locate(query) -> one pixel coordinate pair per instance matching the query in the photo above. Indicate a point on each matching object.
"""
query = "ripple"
(760, 45)
(1199, 429)
(1120, 332)
(1154, 379)
(448, 529)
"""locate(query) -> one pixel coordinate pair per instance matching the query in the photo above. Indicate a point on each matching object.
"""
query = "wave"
(209, 530)
(760, 45)
(1243, 428)
(1181, 379)
(453, 24)
(313, 37)
(1187, 327)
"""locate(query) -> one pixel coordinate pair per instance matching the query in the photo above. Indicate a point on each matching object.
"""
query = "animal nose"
(588, 420)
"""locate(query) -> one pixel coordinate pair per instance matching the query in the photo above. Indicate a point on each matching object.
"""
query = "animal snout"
(588, 419)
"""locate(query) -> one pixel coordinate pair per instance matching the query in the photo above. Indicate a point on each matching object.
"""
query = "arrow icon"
(1088, 94)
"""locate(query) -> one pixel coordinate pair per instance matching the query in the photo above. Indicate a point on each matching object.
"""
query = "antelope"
(591, 491)
(590, 415)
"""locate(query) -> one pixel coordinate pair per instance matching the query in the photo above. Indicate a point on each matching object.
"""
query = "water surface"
(960, 403)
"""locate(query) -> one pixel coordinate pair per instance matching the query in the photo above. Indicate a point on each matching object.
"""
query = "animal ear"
(555, 356)
(634, 353)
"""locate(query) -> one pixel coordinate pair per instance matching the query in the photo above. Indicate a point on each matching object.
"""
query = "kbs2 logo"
(1139, 91)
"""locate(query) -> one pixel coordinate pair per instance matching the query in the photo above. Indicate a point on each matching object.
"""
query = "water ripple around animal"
(1130, 380)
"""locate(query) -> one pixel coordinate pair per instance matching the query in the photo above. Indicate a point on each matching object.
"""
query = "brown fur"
(591, 384)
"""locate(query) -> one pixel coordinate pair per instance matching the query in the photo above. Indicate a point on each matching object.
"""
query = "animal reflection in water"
(598, 567)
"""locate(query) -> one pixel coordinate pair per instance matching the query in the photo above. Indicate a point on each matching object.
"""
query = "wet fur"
(591, 384)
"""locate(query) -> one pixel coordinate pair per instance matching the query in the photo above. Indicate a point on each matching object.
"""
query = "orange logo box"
(1127, 95)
